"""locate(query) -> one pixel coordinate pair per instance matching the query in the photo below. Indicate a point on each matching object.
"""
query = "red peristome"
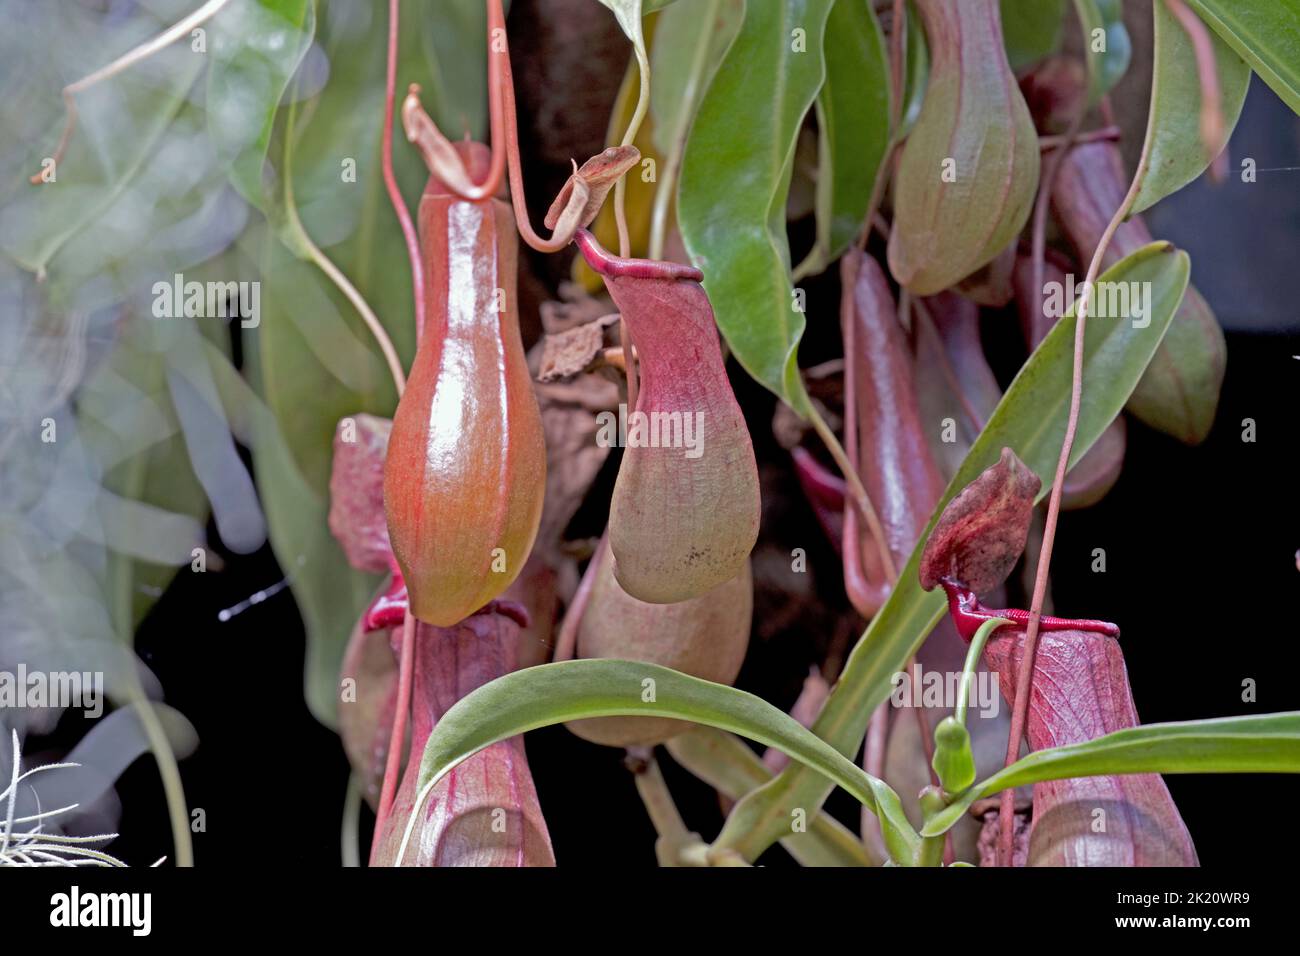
(969, 614)
(605, 263)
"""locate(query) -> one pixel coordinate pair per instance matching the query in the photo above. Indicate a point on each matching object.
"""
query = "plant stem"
(171, 780)
(349, 837)
(667, 184)
(1024, 677)
(659, 805)
(856, 491)
(390, 180)
(972, 661)
(332, 272)
(620, 212)
(396, 740)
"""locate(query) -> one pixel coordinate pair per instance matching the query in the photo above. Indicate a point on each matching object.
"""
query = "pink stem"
(390, 181)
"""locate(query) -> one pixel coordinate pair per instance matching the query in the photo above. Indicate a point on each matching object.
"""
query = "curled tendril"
(584, 192)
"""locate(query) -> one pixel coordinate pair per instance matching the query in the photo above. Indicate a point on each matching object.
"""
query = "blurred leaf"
(1266, 33)
(731, 202)
(256, 46)
(1106, 44)
(1269, 743)
(853, 129)
(571, 690)
(1175, 152)
(1031, 30)
(1030, 420)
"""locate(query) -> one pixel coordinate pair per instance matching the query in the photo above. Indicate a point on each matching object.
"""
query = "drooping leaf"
(1106, 44)
(552, 693)
(1266, 744)
(1176, 152)
(852, 129)
(731, 201)
(1031, 30)
(1266, 34)
(1030, 419)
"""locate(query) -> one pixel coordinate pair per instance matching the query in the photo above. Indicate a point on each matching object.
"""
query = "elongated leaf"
(731, 203)
(1266, 34)
(1175, 152)
(853, 129)
(689, 43)
(1031, 30)
(1266, 744)
(1106, 44)
(724, 762)
(571, 690)
(1030, 419)
(256, 47)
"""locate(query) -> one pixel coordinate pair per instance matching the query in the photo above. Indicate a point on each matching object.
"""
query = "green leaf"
(852, 129)
(1031, 30)
(571, 690)
(456, 60)
(1175, 152)
(256, 46)
(1105, 44)
(735, 178)
(727, 764)
(1031, 420)
(1269, 743)
(1266, 33)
